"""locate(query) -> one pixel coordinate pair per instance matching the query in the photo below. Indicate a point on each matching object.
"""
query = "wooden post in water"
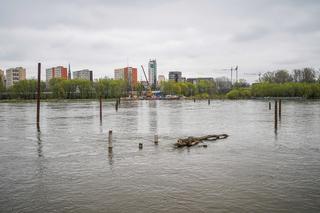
(38, 95)
(156, 139)
(269, 105)
(140, 145)
(110, 141)
(209, 101)
(194, 100)
(276, 114)
(279, 109)
(117, 105)
(100, 108)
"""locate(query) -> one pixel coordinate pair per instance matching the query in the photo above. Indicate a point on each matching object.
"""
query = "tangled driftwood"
(191, 141)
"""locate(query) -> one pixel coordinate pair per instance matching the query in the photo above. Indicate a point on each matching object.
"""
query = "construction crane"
(231, 72)
(236, 69)
(149, 91)
(255, 74)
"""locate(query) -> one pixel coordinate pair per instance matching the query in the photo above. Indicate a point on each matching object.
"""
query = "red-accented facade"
(64, 73)
(134, 76)
(128, 74)
(56, 72)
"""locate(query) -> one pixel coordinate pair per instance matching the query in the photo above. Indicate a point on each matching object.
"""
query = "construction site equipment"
(149, 91)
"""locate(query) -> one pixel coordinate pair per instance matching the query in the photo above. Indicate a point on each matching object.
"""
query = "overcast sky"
(196, 37)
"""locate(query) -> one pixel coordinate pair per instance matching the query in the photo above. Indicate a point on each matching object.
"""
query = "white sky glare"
(195, 37)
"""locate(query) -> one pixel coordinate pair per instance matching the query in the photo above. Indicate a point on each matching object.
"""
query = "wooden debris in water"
(191, 141)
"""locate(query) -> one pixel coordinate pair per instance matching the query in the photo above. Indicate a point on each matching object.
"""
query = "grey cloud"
(251, 34)
(192, 36)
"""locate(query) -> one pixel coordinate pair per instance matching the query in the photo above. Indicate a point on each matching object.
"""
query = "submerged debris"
(191, 141)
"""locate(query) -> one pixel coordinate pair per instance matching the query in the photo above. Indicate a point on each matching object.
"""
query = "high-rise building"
(13, 75)
(128, 74)
(56, 72)
(175, 76)
(69, 73)
(152, 71)
(161, 78)
(83, 74)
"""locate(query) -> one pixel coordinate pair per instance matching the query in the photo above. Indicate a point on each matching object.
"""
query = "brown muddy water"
(66, 166)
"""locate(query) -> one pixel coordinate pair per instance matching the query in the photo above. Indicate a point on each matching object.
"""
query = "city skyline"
(197, 38)
(229, 73)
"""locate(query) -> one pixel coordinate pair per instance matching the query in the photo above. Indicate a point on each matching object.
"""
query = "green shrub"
(239, 93)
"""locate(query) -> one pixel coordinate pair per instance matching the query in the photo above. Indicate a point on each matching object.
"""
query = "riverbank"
(128, 100)
(53, 100)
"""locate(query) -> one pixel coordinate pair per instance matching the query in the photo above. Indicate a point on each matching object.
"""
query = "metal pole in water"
(275, 114)
(110, 140)
(279, 109)
(38, 95)
(269, 105)
(156, 139)
(100, 109)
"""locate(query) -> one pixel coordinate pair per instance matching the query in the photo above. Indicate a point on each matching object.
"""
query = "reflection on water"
(39, 142)
(110, 158)
(259, 168)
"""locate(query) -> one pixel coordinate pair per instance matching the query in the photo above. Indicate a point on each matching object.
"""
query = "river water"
(66, 167)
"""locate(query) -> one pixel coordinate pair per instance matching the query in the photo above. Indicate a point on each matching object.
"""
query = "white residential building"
(83, 74)
(13, 75)
(56, 72)
(119, 73)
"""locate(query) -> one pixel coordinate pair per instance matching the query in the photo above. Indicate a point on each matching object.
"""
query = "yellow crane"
(149, 91)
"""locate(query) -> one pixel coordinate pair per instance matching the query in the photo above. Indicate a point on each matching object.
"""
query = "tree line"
(202, 88)
(58, 88)
(265, 89)
(281, 83)
(305, 75)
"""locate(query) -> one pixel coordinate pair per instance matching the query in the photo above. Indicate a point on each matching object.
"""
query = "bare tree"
(268, 77)
(309, 75)
(282, 76)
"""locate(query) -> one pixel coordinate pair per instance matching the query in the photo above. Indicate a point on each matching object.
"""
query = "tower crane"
(255, 74)
(231, 72)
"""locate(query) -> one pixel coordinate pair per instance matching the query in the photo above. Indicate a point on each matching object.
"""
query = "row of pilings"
(277, 110)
